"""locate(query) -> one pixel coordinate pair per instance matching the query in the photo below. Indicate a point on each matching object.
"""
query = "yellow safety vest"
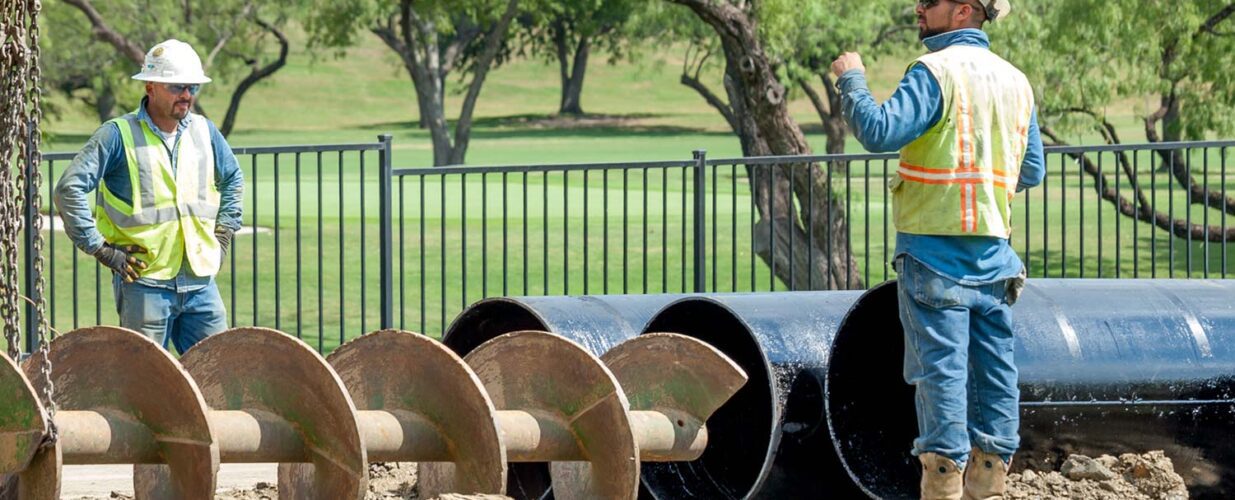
(959, 178)
(172, 215)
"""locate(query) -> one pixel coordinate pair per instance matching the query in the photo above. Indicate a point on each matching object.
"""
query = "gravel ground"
(1150, 476)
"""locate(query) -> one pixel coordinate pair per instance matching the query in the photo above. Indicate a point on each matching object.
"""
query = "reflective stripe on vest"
(171, 214)
(960, 176)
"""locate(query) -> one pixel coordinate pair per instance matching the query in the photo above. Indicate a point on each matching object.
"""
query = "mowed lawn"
(311, 267)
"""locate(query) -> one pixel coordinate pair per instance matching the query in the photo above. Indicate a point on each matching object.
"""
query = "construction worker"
(167, 206)
(966, 127)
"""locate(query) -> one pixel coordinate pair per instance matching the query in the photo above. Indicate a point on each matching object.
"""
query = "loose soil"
(1150, 476)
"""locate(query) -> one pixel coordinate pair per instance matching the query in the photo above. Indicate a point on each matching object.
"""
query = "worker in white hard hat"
(167, 205)
(966, 126)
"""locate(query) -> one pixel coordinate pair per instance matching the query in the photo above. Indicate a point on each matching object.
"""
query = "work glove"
(1014, 287)
(121, 261)
(224, 237)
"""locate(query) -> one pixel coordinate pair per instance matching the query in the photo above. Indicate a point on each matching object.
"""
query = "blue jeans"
(163, 315)
(958, 356)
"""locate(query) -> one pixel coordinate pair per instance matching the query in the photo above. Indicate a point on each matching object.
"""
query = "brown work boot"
(986, 477)
(941, 477)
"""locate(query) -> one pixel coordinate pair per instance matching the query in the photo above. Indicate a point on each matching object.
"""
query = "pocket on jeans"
(930, 288)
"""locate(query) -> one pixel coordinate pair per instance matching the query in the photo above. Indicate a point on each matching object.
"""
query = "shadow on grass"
(557, 126)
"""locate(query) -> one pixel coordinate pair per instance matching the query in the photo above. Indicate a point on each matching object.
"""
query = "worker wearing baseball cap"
(168, 203)
(966, 127)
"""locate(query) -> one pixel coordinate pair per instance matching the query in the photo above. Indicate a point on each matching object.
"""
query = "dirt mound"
(1140, 477)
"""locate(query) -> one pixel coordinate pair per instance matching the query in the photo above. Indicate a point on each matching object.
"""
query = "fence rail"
(325, 259)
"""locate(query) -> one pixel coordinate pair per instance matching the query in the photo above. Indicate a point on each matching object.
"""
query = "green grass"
(651, 117)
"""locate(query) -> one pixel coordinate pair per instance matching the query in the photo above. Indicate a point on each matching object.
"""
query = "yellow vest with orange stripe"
(959, 178)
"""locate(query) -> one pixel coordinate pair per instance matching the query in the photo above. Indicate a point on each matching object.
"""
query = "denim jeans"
(958, 356)
(164, 315)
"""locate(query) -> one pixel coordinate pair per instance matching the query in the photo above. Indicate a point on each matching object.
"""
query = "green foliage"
(807, 36)
(1092, 54)
(603, 22)
(222, 31)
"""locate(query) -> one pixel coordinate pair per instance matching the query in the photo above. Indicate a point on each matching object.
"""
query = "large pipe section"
(1106, 367)
(770, 440)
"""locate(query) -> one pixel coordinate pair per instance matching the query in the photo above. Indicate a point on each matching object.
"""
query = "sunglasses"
(926, 4)
(178, 88)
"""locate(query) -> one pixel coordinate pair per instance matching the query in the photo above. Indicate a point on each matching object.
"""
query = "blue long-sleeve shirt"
(913, 109)
(103, 159)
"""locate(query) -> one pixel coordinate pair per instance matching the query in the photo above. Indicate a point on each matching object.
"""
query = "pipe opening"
(486, 320)
(870, 408)
(741, 438)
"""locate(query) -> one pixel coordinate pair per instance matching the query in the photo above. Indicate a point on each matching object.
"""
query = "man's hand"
(120, 260)
(846, 62)
(224, 236)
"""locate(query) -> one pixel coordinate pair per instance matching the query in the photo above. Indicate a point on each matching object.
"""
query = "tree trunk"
(818, 232)
(257, 75)
(572, 83)
(493, 42)
(105, 103)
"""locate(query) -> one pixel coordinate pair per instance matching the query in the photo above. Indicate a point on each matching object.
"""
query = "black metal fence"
(338, 242)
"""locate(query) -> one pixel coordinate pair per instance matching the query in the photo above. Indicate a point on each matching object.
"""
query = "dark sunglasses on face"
(178, 88)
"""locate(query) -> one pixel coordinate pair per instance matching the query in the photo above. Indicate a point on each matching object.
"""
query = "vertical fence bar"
(866, 220)
(771, 192)
(1080, 200)
(1118, 236)
(625, 231)
(1063, 217)
(424, 303)
(385, 181)
(364, 221)
(51, 243)
(484, 235)
(402, 254)
(565, 232)
(664, 230)
(1225, 230)
(1170, 199)
(1153, 205)
(442, 247)
(278, 308)
(1188, 211)
(604, 252)
(299, 266)
(342, 260)
(463, 235)
(1135, 182)
(256, 267)
(1205, 214)
(505, 234)
(645, 230)
(733, 227)
(700, 247)
(1098, 186)
(848, 229)
(321, 295)
(585, 232)
(685, 172)
(810, 227)
(714, 228)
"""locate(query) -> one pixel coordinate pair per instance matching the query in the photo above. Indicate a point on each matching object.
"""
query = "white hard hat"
(172, 61)
(996, 9)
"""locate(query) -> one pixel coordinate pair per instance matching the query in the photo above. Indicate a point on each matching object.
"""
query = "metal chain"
(12, 133)
(21, 128)
(36, 202)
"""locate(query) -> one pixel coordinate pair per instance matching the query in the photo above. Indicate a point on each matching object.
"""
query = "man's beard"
(926, 32)
(179, 115)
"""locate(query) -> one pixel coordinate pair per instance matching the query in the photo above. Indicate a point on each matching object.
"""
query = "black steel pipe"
(770, 440)
(596, 322)
(1106, 367)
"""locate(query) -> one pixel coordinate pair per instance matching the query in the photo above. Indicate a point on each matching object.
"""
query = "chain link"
(21, 128)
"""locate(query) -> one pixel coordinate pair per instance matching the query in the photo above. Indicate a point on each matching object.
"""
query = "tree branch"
(256, 75)
(1210, 24)
(712, 99)
(1179, 228)
(493, 42)
(105, 33)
